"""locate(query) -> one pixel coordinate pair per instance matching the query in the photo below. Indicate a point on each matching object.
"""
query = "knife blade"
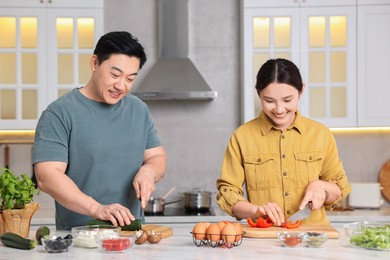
(300, 214)
(140, 209)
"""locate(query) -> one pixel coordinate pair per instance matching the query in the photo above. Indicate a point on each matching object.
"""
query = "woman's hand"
(273, 211)
(319, 192)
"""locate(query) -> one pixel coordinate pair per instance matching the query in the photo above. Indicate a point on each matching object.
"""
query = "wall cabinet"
(320, 38)
(373, 63)
(45, 46)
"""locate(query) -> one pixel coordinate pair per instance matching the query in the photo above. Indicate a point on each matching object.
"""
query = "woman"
(284, 159)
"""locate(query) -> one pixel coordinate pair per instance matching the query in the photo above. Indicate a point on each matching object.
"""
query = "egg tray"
(220, 242)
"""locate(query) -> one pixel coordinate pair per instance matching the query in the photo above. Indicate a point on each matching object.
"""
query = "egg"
(199, 230)
(213, 232)
(221, 224)
(238, 228)
(229, 233)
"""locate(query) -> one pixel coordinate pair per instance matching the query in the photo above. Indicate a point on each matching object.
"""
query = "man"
(96, 151)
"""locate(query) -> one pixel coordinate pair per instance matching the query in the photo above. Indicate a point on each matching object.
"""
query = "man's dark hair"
(119, 43)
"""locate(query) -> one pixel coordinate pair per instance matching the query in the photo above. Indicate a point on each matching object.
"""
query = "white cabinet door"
(328, 64)
(74, 34)
(44, 53)
(321, 41)
(268, 33)
(374, 65)
(22, 59)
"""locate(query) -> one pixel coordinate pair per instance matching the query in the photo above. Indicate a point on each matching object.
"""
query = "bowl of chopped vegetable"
(115, 243)
(368, 235)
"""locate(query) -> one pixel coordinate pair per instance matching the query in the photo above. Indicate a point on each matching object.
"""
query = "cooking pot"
(197, 200)
(156, 205)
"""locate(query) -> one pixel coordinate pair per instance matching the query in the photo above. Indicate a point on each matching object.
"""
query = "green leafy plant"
(15, 191)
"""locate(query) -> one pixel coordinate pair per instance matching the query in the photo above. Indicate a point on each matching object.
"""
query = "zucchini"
(16, 241)
(134, 225)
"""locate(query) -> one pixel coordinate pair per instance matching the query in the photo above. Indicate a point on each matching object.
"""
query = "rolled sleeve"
(232, 177)
(333, 171)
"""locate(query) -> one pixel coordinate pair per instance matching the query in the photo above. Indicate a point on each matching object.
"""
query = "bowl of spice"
(315, 239)
(291, 239)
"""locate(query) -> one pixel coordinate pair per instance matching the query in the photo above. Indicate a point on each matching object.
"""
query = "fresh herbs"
(15, 191)
(376, 237)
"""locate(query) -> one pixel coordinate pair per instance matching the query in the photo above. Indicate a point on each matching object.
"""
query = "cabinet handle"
(50, 1)
(41, 1)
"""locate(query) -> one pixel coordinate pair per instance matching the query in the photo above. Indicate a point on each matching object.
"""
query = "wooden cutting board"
(384, 180)
(271, 232)
(164, 230)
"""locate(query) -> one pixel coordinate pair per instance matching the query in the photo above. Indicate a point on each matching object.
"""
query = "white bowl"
(85, 236)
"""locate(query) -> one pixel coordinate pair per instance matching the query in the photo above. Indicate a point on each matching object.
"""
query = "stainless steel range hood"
(174, 76)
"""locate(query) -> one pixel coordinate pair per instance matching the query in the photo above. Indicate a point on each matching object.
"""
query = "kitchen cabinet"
(320, 38)
(373, 63)
(45, 46)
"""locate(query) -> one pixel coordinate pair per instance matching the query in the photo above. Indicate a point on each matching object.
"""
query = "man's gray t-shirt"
(102, 144)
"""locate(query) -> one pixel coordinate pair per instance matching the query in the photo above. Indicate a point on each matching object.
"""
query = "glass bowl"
(315, 239)
(56, 244)
(290, 239)
(115, 244)
(85, 236)
(368, 235)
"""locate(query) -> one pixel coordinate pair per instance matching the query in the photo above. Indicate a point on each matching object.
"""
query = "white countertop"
(181, 246)
(46, 217)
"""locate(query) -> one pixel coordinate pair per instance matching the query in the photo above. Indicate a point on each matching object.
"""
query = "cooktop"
(182, 211)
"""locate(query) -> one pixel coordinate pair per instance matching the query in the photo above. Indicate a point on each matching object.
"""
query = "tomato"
(126, 243)
(119, 244)
(107, 244)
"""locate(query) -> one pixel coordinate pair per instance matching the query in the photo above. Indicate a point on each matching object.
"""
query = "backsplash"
(362, 154)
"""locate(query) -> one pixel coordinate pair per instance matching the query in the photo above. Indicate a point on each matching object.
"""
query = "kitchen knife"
(300, 214)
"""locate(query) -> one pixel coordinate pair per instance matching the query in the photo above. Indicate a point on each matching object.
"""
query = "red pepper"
(261, 222)
(291, 225)
(250, 222)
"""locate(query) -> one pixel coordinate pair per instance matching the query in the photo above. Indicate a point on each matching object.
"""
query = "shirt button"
(258, 160)
(283, 156)
(284, 173)
(310, 158)
(286, 194)
(283, 136)
(225, 189)
(288, 212)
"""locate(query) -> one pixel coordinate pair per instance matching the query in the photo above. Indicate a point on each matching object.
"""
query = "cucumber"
(42, 231)
(16, 241)
(134, 225)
